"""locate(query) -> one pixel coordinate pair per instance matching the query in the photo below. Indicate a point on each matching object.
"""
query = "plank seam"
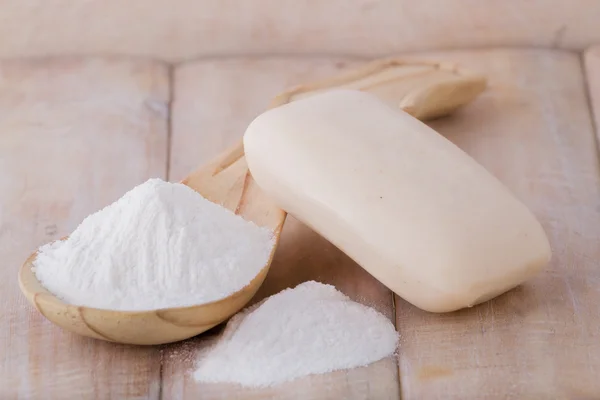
(171, 99)
(160, 373)
(360, 57)
(177, 62)
(590, 103)
(397, 359)
(171, 83)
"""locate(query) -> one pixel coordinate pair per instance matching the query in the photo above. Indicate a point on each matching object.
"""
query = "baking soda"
(310, 329)
(160, 245)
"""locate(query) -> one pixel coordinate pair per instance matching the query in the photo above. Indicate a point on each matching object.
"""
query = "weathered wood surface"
(533, 130)
(74, 136)
(214, 102)
(181, 30)
(592, 71)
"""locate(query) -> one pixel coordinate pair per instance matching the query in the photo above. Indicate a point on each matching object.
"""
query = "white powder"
(310, 329)
(160, 245)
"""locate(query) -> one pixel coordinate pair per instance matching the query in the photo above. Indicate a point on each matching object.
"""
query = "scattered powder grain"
(310, 329)
(160, 245)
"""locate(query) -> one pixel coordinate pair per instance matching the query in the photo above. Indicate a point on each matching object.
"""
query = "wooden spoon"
(425, 90)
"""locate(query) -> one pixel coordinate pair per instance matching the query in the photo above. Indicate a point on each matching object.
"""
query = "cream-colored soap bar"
(401, 200)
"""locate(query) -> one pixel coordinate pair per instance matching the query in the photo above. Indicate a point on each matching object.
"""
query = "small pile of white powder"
(160, 245)
(310, 329)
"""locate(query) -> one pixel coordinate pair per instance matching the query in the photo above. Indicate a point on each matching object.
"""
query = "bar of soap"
(401, 200)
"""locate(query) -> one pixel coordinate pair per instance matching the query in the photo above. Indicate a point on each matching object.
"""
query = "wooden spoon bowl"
(134, 327)
(225, 181)
(424, 89)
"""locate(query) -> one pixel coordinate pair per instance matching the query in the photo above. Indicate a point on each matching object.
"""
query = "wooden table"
(76, 133)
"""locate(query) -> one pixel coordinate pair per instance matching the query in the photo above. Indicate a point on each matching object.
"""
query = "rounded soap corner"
(437, 302)
(443, 307)
(253, 130)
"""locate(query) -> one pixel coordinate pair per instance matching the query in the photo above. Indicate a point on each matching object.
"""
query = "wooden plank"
(187, 29)
(214, 102)
(533, 130)
(75, 134)
(592, 70)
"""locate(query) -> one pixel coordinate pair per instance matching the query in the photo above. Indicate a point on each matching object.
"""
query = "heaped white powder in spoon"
(310, 329)
(160, 245)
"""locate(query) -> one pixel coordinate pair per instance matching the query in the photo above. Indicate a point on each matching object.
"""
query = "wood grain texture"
(177, 30)
(74, 136)
(592, 74)
(426, 90)
(214, 101)
(532, 129)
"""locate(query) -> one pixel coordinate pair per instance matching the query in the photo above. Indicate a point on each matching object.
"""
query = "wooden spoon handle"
(424, 89)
